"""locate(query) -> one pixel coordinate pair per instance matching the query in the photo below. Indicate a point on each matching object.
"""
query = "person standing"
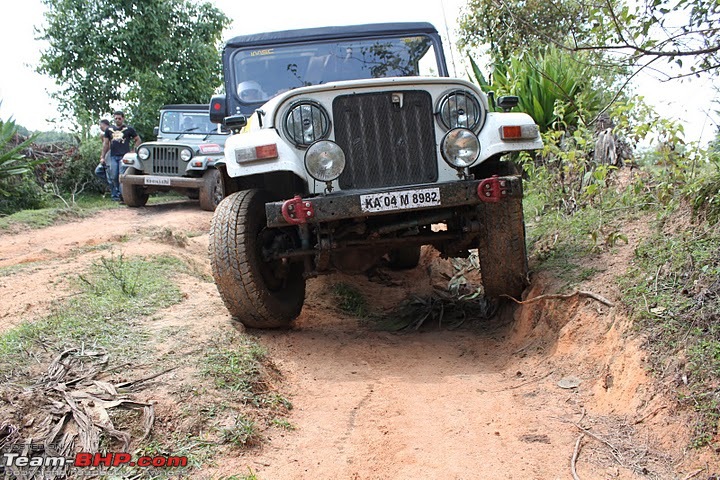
(117, 141)
(102, 171)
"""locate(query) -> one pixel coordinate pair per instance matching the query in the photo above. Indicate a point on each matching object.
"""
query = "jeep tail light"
(210, 148)
(261, 152)
(519, 132)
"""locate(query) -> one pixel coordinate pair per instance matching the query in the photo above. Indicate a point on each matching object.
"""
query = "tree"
(138, 55)
(636, 33)
(507, 27)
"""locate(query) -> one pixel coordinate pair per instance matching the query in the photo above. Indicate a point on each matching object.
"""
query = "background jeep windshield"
(261, 73)
(188, 122)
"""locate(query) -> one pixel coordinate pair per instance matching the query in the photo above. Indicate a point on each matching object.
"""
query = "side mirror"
(218, 109)
(235, 122)
(156, 130)
(508, 102)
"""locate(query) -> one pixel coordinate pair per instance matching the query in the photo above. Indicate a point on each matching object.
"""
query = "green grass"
(85, 205)
(673, 292)
(671, 288)
(350, 300)
(104, 313)
(57, 212)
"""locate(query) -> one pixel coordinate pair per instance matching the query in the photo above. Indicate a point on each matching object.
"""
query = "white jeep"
(183, 158)
(350, 144)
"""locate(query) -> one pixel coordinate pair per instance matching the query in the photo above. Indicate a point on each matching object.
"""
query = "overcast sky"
(24, 93)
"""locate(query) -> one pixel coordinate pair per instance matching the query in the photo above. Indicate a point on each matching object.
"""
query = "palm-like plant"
(12, 161)
(555, 89)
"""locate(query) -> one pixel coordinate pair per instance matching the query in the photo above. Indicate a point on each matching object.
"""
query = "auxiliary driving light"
(460, 148)
(325, 160)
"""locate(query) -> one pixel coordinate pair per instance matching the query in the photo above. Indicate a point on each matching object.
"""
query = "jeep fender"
(288, 159)
(493, 144)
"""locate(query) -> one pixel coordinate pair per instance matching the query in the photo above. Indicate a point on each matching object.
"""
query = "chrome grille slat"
(165, 160)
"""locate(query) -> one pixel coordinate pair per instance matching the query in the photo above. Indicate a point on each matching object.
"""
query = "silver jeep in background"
(353, 144)
(183, 158)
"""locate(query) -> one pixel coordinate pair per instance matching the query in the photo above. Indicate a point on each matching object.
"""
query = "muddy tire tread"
(134, 196)
(238, 280)
(502, 250)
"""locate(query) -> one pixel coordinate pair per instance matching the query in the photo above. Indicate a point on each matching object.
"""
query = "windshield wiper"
(184, 132)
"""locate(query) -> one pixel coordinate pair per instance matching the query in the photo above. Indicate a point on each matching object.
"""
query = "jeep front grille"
(165, 160)
(388, 139)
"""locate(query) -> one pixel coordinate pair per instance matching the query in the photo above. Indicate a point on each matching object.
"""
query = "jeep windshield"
(261, 73)
(193, 122)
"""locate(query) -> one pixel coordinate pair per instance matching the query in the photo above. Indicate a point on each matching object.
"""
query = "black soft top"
(187, 106)
(329, 33)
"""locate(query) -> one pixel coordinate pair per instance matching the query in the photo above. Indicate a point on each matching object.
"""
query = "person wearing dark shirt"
(102, 171)
(117, 141)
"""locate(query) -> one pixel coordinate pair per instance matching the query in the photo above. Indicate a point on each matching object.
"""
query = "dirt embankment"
(507, 397)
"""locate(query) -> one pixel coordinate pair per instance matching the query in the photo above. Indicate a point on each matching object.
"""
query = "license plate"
(150, 180)
(403, 200)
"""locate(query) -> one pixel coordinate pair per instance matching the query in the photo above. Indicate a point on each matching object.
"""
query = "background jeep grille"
(386, 144)
(165, 160)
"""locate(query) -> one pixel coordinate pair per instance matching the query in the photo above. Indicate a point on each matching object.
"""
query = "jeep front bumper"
(404, 199)
(159, 181)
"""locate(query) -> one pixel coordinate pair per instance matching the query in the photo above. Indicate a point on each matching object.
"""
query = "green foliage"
(133, 55)
(13, 161)
(510, 27)
(556, 89)
(244, 433)
(673, 291)
(350, 300)
(236, 368)
(18, 189)
(643, 32)
(100, 314)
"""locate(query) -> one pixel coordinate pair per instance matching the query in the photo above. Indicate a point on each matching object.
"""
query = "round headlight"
(143, 153)
(306, 122)
(325, 161)
(460, 147)
(185, 154)
(460, 109)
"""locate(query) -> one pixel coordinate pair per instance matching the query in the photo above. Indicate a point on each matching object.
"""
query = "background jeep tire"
(211, 191)
(248, 285)
(134, 195)
(404, 258)
(501, 248)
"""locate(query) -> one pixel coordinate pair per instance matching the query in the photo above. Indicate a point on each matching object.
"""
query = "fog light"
(460, 148)
(325, 160)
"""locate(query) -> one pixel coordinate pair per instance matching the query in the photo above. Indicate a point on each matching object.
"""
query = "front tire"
(211, 193)
(256, 292)
(501, 248)
(134, 195)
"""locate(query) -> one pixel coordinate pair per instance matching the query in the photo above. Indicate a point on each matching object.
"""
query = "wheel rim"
(275, 272)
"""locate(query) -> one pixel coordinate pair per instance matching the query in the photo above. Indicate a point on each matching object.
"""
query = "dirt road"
(507, 397)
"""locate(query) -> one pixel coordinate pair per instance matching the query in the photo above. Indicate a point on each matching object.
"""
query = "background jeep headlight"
(325, 161)
(185, 154)
(460, 147)
(460, 109)
(307, 122)
(143, 153)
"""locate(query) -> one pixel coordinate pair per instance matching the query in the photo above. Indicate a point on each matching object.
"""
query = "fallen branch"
(613, 450)
(651, 414)
(526, 383)
(576, 452)
(579, 293)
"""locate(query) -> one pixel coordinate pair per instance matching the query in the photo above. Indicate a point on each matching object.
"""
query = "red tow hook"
(297, 211)
(492, 189)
